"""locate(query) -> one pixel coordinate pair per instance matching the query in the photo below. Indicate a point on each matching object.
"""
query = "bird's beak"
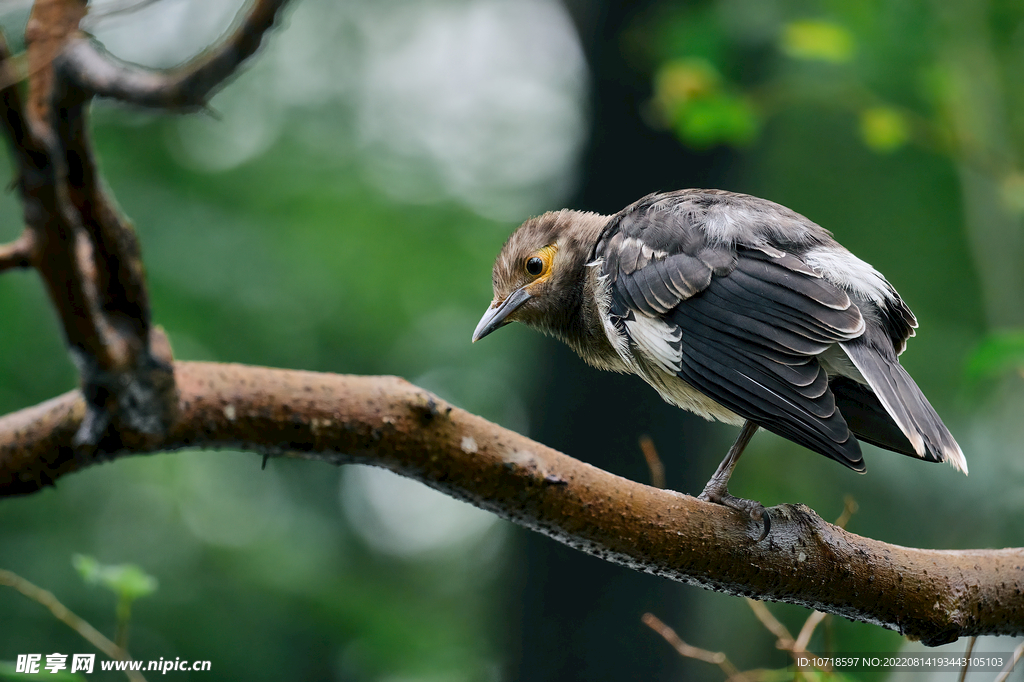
(497, 315)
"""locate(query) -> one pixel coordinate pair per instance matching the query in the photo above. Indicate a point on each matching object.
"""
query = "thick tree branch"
(86, 252)
(51, 232)
(932, 595)
(186, 88)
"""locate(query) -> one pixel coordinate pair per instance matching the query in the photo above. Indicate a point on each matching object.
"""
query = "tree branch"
(86, 252)
(932, 595)
(186, 88)
(51, 228)
(21, 253)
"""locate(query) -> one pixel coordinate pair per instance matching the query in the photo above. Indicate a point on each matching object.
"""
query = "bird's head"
(539, 275)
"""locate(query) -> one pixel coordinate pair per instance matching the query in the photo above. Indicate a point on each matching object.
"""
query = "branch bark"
(931, 595)
(85, 250)
(135, 400)
(186, 88)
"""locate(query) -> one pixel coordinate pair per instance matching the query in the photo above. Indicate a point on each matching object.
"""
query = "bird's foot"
(752, 508)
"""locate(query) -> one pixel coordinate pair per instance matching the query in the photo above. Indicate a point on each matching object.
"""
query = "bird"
(735, 308)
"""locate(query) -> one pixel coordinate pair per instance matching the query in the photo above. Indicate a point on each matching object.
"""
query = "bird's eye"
(535, 266)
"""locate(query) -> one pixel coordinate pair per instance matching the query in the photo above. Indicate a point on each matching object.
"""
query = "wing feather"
(741, 324)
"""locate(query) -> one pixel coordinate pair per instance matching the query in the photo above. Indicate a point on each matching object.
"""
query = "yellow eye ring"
(539, 264)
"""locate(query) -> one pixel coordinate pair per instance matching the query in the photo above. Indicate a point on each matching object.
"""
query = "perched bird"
(732, 307)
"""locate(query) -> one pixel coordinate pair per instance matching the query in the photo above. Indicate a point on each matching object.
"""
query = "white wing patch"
(845, 270)
(603, 300)
(657, 340)
(658, 360)
(647, 254)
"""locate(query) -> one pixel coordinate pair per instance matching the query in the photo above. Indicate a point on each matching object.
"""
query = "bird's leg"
(717, 489)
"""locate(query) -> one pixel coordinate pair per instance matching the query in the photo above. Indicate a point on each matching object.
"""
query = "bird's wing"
(741, 324)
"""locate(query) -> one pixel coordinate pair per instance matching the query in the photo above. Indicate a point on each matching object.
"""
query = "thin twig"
(967, 658)
(676, 642)
(850, 508)
(654, 464)
(1017, 653)
(804, 638)
(187, 88)
(784, 640)
(73, 621)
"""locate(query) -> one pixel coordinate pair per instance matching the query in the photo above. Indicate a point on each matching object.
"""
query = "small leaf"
(127, 581)
(88, 567)
(718, 119)
(817, 40)
(883, 129)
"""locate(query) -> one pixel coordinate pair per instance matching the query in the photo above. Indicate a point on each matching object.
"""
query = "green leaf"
(7, 673)
(720, 118)
(998, 354)
(817, 40)
(692, 97)
(127, 581)
(680, 81)
(883, 129)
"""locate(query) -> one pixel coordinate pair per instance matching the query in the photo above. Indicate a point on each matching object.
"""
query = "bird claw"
(752, 508)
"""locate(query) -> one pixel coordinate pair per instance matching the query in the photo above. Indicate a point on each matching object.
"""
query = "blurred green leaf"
(721, 118)
(127, 581)
(680, 81)
(816, 40)
(7, 669)
(1011, 192)
(693, 100)
(883, 129)
(996, 355)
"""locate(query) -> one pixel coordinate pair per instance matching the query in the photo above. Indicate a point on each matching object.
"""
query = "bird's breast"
(675, 391)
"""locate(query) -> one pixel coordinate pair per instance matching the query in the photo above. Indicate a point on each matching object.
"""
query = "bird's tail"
(905, 403)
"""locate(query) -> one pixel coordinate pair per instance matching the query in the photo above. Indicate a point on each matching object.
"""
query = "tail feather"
(905, 403)
(866, 416)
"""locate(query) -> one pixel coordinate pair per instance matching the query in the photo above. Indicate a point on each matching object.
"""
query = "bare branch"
(21, 253)
(69, 618)
(783, 640)
(1014, 659)
(654, 464)
(86, 253)
(967, 658)
(52, 229)
(932, 595)
(804, 638)
(137, 389)
(186, 88)
(683, 649)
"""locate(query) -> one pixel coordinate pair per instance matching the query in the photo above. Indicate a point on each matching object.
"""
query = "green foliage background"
(896, 125)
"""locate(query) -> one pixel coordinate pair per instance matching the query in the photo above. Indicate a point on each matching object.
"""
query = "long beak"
(497, 315)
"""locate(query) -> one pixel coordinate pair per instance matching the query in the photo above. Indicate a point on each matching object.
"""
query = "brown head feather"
(565, 239)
